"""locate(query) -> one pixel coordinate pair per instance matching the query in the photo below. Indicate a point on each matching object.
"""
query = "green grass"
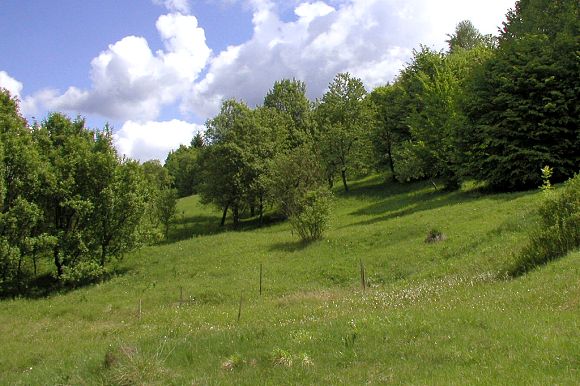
(440, 313)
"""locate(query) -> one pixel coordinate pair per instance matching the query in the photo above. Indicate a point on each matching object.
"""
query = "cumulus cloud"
(371, 39)
(129, 81)
(181, 6)
(153, 140)
(10, 84)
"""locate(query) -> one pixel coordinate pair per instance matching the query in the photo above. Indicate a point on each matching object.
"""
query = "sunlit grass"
(438, 313)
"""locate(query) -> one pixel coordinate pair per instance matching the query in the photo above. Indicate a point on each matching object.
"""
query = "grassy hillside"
(439, 313)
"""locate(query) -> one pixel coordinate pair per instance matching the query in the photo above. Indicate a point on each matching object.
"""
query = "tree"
(289, 98)
(430, 107)
(119, 212)
(344, 117)
(225, 162)
(21, 218)
(467, 37)
(296, 186)
(522, 104)
(390, 129)
(92, 201)
(270, 139)
(162, 197)
(223, 178)
(182, 165)
(197, 142)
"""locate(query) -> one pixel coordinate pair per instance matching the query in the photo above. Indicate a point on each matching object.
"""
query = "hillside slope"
(439, 313)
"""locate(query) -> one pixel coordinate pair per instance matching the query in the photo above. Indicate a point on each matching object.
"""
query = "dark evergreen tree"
(523, 103)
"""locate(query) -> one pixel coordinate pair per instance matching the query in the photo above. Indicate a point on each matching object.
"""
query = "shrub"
(559, 230)
(82, 273)
(311, 217)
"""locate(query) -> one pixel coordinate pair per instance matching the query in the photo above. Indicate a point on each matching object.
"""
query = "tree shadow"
(291, 246)
(191, 226)
(401, 200)
(187, 227)
(47, 285)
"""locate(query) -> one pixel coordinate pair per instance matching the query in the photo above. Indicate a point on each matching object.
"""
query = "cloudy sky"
(157, 69)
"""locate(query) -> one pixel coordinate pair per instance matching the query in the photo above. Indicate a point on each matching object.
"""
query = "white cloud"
(10, 84)
(153, 140)
(181, 6)
(129, 81)
(310, 11)
(372, 39)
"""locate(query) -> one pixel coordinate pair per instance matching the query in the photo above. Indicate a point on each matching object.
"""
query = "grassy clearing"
(439, 313)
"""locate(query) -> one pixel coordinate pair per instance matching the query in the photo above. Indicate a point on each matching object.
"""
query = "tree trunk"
(236, 215)
(343, 173)
(57, 261)
(223, 222)
(34, 262)
(391, 163)
(103, 255)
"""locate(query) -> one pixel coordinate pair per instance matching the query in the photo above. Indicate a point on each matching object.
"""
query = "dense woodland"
(494, 109)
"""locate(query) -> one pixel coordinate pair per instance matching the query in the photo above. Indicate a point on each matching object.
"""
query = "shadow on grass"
(47, 285)
(191, 226)
(291, 246)
(405, 199)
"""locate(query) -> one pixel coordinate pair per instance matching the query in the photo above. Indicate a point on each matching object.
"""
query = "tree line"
(69, 201)
(495, 109)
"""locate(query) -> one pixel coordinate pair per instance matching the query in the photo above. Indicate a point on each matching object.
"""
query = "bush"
(559, 230)
(85, 272)
(311, 217)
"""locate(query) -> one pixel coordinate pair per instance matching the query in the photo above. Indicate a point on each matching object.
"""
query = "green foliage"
(162, 198)
(344, 117)
(390, 129)
(234, 165)
(295, 184)
(522, 104)
(183, 167)
(21, 173)
(292, 175)
(225, 162)
(311, 218)
(122, 210)
(85, 272)
(167, 208)
(66, 199)
(467, 37)
(288, 97)
(411, 163)
(433, 84)
(558, 231)
(546, 175)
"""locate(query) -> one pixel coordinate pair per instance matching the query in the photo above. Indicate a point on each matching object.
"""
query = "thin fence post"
(139, 309)
(260, 279)
(362, 276)
(240, 309)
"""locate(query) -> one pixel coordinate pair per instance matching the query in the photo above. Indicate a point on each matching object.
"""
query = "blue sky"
(157, 69)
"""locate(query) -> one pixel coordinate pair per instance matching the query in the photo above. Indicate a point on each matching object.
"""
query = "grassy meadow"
(431, 313)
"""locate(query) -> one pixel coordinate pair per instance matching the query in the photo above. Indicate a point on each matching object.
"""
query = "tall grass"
(432, 313)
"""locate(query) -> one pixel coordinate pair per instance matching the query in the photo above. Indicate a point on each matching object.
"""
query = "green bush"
(83, 273)
(559, 230)
(311, 219)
